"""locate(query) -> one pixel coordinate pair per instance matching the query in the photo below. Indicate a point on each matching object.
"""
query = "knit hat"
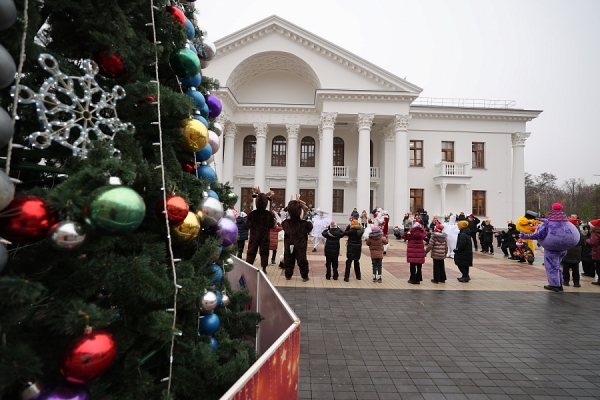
(557, 206)
(556, 215)
(376, 229)
(333, 224)
(462, 224)
(438, 228)
(595, 223)
(416, 224)
(354, 223)
(574, 221)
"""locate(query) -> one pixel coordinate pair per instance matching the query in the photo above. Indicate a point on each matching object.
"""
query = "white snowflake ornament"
(74, 110)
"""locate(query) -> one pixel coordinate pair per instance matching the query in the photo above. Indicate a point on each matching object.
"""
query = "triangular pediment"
(274, 44)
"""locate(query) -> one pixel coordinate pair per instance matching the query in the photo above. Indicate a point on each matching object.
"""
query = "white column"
(442, 200)
(363, 171)
(326, 163)
(389, 174)
(468, 199)
(261, 156)
(229, 153)
(218, 156)
(401, 189)
(320, 167)
(518, 173)
(291, 183)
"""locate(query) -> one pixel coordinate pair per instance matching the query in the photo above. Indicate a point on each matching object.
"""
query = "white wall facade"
(280, 80)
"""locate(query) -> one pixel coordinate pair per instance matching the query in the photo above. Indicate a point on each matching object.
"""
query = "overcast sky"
(544, 54)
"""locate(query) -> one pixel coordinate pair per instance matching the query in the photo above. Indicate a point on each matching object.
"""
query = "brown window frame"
(308, 196)
(307, 158)
(338, 196)
(415, 195)
(246, 200)
(476, 161)
(338, 152)
(278, 199)
(447, 153)
(278, 151)
(414, 161)
(478, 202)
(249, 152)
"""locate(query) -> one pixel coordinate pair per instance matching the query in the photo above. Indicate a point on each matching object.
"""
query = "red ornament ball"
(110, 65)
(26, 219)
(177, 14)
(188, 167)
(88, 356)
(177, 209)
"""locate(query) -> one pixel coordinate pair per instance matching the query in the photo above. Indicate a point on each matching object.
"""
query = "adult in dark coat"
(571, 260)
(354, 231)
(586, 254)
(332, 236)
(242, 232)
(509, 241)
(487, 237)
(260, 221)
(295, 239)
(473, 227)
(594, 242)
(463, 254)
(415, 252)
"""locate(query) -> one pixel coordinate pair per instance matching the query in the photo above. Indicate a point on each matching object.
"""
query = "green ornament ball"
(185, 63)
(232, 196)
(114, 210)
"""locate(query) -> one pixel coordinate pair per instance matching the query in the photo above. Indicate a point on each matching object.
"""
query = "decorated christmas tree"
(115, 232)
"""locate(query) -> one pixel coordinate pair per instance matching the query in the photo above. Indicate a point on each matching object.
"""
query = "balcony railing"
(466, 103)
(340, 172)
(451, 169)
(374, 172)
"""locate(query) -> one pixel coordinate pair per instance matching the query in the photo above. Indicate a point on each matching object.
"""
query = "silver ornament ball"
(6, 127)
(67, 235)
(225, 299)
(7, 190)
(204, 64)
(228, 264)
(218, 128)
(209, 301)
(210, 212)
(210, 50)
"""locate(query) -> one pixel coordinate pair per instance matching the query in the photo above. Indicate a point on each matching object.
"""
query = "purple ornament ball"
(213, 140)
(214, 106)
(65, 391)
(228, 231)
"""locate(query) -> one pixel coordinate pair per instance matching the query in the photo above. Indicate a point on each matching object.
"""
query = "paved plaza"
(500, 336)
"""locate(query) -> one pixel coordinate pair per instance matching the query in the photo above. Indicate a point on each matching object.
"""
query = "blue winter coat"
(242, 228)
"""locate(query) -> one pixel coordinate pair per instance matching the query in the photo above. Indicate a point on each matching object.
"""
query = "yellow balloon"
(188, 231)
(194, 135)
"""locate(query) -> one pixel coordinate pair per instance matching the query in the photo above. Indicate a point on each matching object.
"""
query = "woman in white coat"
(451, 230)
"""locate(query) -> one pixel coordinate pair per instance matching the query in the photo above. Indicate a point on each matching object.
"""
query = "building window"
(416, 153)
(249, 150)
(478, 155)
(448, 151)
(338, 200)
(308, 196)
(246, 200)
(338, 152)
(278, 149)
(479, 202)
(416, 200)
(307, 152)
(278, 199)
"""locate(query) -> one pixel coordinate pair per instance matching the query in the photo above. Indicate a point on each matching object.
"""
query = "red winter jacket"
(594, 241)
(415, 251)
(274, 236)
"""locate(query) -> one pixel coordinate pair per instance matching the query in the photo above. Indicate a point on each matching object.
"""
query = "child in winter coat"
(274, 237)
(594, 242)
(242, 233)
(415, 252)
(463, 253)
(332, 236)
(438, 246)
(354, 232)
(364, 219)
(376, 243)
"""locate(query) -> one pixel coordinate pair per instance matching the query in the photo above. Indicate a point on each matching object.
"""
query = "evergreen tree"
(126, 278)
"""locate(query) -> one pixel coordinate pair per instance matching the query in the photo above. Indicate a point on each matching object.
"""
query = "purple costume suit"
(556, 235)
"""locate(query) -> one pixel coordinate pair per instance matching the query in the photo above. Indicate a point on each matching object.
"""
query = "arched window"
(307, 152)
(278, 149)
(249, 150)
(338, 152)
(371, 154)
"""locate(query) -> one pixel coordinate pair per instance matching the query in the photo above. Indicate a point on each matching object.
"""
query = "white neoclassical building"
(304, 116)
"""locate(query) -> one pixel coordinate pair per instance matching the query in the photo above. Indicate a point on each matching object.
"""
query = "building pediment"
(275, 50)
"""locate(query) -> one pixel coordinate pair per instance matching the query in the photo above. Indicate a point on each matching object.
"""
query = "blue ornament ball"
(192, 47)
(204, 111)
(209, 324)
(217, 273)
(207, 173)
(199, 100)
(219, 298)
(213, 194)
(190, 31)
(201, 119)
(192, 82)
(214, 344)
(204, 154)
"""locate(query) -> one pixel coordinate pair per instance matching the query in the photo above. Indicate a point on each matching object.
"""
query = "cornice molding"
(495, 114)
(300, 36)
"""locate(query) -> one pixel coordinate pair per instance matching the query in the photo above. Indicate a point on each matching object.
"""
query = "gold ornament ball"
(188, 231)
(194, 135)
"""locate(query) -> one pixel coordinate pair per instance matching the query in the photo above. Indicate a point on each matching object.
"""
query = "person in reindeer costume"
(556, 235)
(295, 239)
(260, 221)
(528, 224)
